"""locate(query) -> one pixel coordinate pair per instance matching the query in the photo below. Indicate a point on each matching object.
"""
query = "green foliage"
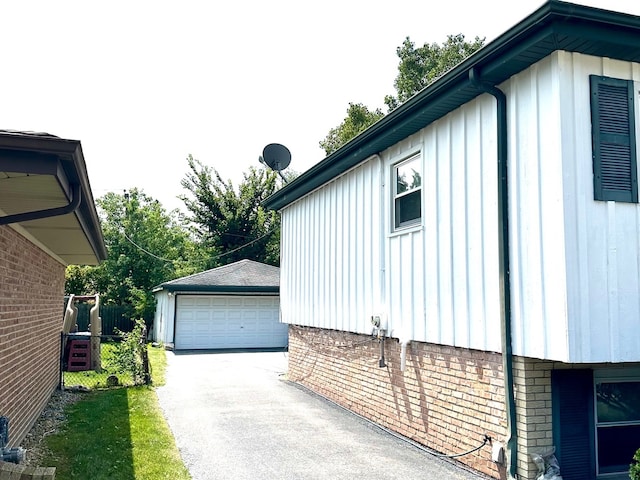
(423, 65)
(634, 471)
(145, 246)
(131, 355)
(358, 119)
(418, 68)
(231, 223)
(80, 280)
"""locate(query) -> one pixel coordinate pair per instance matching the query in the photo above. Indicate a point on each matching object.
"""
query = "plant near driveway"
(634, 472)
(131, 357)
(116, 434)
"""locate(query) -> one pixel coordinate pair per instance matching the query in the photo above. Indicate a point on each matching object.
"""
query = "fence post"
(145, 356)
(61, 363)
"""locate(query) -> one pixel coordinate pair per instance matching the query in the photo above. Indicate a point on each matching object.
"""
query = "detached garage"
(233, 306)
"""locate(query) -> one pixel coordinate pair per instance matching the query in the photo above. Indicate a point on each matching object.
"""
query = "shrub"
(634, 471)
(131, 355)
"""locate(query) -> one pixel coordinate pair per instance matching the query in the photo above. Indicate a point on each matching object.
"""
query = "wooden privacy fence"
(114, 317)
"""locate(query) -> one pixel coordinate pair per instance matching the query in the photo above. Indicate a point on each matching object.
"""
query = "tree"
(145, 247)
(232, 224)
(358, 119)
(418, 68)
(421, 66)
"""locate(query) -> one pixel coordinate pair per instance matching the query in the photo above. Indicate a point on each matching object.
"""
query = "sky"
(143, 84)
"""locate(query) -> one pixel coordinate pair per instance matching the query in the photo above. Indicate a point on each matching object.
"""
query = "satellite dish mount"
(277, 157)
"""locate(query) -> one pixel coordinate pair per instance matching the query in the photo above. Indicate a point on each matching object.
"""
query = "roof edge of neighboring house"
(550, 28)
(216, 288)
(69, 154)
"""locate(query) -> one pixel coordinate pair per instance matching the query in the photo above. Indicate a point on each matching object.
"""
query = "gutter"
(504, 267)
(72, 206)
(213, 289)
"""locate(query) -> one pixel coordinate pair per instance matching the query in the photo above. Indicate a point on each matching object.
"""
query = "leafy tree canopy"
(418, 68)
(145, 247)
(358, 118)
(421, 66)
(232, 223)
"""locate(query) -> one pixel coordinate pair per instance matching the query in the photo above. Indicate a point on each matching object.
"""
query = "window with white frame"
(407, 192)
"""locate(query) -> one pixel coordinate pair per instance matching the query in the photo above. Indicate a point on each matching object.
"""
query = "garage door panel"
(211, 322)
(235, 302)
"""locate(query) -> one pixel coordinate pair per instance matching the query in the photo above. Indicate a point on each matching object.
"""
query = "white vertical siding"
(602, 238)
(459, 245)
(538, 283)
(341, 261)
(331, 258)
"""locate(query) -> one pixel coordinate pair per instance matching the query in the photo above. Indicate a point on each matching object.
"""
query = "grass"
(158, 364)
(117, 434)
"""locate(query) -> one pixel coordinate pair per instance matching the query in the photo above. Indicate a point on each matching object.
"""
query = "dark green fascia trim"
(216, 289)
(554, 26)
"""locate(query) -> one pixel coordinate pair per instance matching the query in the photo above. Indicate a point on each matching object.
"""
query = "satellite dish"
(277, 157)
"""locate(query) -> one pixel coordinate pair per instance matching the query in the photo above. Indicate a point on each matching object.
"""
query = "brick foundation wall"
(532, 380)
(446, 398)
(31, 294)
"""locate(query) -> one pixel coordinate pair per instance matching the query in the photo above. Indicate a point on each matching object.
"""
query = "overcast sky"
(143, 84)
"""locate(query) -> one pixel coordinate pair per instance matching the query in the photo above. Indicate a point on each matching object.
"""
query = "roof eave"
(73, 169)
(217, 288)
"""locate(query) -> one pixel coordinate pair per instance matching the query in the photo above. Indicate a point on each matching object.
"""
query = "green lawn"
(117, 434)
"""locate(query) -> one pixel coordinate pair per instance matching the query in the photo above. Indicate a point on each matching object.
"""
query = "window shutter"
(614, 142)
(573, 423)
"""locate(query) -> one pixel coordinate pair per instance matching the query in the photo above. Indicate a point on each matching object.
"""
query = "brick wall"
(532, 380)
(446, 398)
(31, 291)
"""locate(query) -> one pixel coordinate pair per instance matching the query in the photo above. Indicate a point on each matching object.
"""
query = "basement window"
(407, 192)
(617, 423)
(615, 176)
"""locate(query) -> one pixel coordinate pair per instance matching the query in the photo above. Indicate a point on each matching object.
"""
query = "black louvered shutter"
(614, 139)
(573, 423)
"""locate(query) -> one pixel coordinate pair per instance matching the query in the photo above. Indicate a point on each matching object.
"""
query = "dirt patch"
(50, 421)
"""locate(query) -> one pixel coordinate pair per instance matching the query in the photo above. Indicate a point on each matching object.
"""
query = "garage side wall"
(31, 293)
(163, 321)
(446, 398)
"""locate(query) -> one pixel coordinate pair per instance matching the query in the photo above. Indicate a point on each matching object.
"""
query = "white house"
(491, 226)
(229, 307)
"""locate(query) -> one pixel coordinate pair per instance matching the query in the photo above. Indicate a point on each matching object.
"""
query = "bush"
(131, 355)
(634, 471)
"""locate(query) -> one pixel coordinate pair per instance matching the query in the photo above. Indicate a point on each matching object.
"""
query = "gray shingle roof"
(245, 275)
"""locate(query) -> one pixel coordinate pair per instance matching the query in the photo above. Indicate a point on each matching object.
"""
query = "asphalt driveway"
(234, 416)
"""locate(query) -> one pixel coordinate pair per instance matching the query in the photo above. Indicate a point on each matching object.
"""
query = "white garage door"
(204, 321)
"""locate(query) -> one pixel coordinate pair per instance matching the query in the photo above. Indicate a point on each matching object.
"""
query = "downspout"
(72, 206)
(505, 279)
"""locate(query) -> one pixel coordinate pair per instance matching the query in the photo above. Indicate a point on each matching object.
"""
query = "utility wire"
(245, 245)
(213, 258)
(145, 250)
